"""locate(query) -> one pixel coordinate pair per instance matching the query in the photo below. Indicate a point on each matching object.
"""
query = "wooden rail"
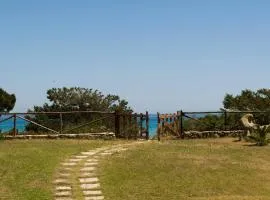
(122, 121)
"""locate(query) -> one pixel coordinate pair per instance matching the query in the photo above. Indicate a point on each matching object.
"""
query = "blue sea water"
(21, 124)
(153, 123)
(8, 125)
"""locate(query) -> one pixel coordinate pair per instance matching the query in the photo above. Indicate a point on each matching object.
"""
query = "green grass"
(27, 167)
(189, 169)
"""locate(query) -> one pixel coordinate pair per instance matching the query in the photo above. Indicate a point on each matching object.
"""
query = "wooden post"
(181, 124)
(158, 130)
(225, 120)
(124, 125)
(141, 124)
(130, 124)
(117, 124)
(147, 125)
(135, 121)
(14, 125)
(61, 123)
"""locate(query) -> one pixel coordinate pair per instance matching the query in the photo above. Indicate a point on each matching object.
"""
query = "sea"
(7, 126)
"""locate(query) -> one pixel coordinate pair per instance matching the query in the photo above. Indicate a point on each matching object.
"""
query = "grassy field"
(192, 169)
(27, 167)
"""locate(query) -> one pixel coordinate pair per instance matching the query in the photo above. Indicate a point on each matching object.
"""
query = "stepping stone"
(106, 153)
(69, 164)
(122, 149)
(61, 181)
(101, 148)
(63, 193)
(90, 164)
(63, 188)
(88, 180)
(92, 160)
(95, 198)
(87, 175)
(119, 150)
(89, 153)
(92, 192)
(81, 157)
(90, 186)
(88, 169)
(75, 160)
(63, 198)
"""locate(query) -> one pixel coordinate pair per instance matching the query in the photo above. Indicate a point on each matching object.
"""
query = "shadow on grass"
(252, 145)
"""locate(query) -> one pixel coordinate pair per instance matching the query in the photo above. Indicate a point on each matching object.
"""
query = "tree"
(7, 101)
(79, 99)
(76, 98)
(247, 100)
(250, 100)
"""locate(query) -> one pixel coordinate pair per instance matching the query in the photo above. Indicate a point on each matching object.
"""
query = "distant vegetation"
(248, 100)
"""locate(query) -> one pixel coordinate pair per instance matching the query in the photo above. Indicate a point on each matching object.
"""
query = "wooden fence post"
(135, 119)
(147, 125)
(124, 125)
(14, 125)
(141, 124)
(117, 123)
(158, 130)
(225, 120)
(181, 124)
(61, 123)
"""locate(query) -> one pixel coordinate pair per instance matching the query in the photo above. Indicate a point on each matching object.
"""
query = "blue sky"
(159, 55)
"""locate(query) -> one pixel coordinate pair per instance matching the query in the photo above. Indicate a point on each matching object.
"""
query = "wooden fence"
(176, 124)
(120, 123)
(169, 124)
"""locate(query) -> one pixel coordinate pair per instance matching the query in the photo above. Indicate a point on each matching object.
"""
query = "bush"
(260, 135)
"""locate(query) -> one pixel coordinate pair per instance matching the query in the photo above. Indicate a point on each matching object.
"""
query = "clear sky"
(160, 55)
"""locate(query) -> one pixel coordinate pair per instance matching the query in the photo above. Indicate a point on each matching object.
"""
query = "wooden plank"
(147, 125)
(49, 113)
(14, 125)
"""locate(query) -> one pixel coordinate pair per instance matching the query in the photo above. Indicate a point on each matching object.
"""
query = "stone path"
(77, 178)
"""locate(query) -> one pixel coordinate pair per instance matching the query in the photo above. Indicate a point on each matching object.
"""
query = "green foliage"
(205, 123)
(77, 99)
(247, 100)
(260, 135)
(7, 101)
(251, 100)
